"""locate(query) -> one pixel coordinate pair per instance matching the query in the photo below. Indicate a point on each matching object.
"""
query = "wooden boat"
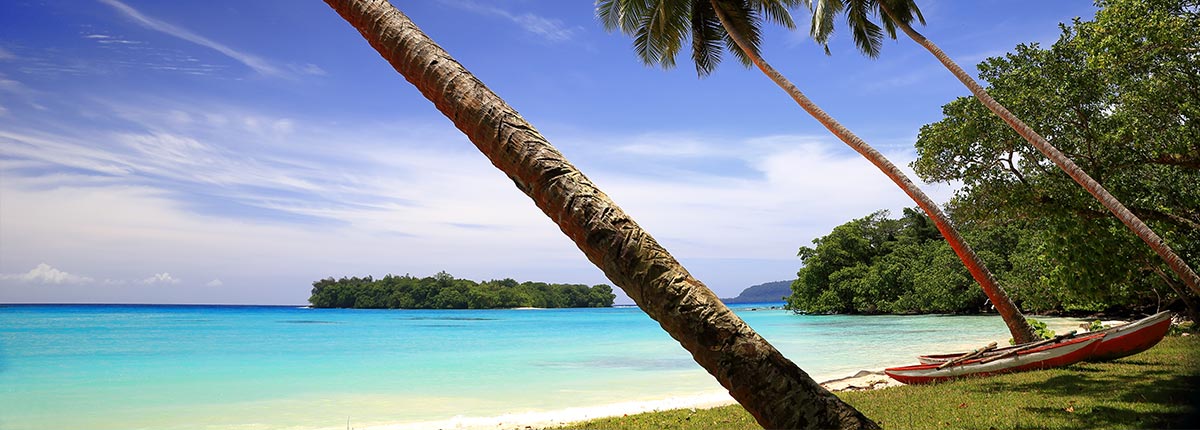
(1061, 351)
(1120, 341)
(1128, 339)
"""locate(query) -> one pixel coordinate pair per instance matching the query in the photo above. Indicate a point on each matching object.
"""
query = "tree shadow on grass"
(1173, 399)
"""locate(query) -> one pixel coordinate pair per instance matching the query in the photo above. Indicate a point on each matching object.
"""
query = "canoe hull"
(1047, 356)
(1132, 338)
(1120, 341)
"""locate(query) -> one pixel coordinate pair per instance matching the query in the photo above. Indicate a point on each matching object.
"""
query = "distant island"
(443, 291)
(768, 292)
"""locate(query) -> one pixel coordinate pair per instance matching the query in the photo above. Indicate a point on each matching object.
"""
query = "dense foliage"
(443, 291)
(876, 264)
(1121, 96)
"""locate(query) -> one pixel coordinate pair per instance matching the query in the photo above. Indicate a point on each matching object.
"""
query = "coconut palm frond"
(823, 12)
(660, 27)
(624, 15)
(776, 11)
(902, 10)
(707, 37)
(659, 32)
(868, 36)
(747, 23)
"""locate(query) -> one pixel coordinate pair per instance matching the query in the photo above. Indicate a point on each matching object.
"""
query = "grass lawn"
(1159, 388)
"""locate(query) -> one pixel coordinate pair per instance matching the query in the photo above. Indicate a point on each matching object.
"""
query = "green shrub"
(1039, 329)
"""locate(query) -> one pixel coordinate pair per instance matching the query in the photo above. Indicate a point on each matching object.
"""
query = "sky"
(233, 152)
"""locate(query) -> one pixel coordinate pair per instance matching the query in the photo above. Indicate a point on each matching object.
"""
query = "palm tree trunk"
(772, 388)
(1065, 163)
(1017, 325)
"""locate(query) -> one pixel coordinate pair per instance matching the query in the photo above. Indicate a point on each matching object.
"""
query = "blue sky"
(234, 152)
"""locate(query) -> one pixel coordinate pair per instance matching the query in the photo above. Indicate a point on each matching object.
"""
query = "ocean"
(268, 367)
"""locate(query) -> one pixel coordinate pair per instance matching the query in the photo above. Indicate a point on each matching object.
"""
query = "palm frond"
(776, 11)
(902, 12)
(823, 13)
(659, 33)
(867, 35)
(621, 14)
(707, 36)
(659, 27)
(747, 23)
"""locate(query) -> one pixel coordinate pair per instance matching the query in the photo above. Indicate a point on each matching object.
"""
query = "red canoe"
(1039, 355)
(1120, 341)
(1128, 339)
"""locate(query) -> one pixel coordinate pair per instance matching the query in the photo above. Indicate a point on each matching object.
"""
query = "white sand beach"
(863, 380)
(859, 381)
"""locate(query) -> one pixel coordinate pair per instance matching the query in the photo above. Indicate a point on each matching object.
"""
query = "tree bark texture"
(1065, 163)
(1017, 326)
(772, 388)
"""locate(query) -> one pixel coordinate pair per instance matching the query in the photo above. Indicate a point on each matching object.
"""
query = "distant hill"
(768, 292)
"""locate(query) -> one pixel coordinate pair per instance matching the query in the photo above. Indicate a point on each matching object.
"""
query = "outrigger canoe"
(1120, 341)
(1061, 351)
(1128, 339)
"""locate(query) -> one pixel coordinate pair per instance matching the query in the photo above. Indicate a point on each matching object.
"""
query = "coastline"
(860, 381)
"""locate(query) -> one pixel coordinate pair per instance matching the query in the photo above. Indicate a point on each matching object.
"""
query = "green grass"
(1159, 388)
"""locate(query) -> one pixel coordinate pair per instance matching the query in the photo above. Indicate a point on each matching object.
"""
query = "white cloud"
(160, 278)
(308, 69)
(11, 86)
(661, 145)
(254, 62)
(214, 283)
(401, 193)
(549, 29)
(797, 188)
(5, 54)
(45, 274)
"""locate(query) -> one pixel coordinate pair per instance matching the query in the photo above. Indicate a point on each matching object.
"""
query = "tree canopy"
(876, 264)
(443, 291)
(1121, 96)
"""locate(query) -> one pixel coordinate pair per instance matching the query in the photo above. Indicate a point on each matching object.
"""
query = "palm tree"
(772, 388)
(899, 14)
(659, 28)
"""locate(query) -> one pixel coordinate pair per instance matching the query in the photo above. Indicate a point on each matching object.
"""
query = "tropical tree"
(772, 388)
(659, 28)
(900, 13)
(1121, 93)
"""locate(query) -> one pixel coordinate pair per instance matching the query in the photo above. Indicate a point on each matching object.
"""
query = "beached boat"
(1061, 351)
(1128, 339)
(1120, 341)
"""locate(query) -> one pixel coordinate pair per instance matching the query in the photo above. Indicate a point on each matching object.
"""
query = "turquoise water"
(174, 367)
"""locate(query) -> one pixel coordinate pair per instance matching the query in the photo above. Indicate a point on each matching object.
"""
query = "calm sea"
(250, 367)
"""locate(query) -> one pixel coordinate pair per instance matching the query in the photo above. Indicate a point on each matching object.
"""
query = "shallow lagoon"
(175, 367)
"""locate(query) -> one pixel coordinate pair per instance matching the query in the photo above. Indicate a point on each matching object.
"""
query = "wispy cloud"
(5, 54)
(160, 278)
(49, 275)
(252, 61)
(214, 283)
(549, 29)
(46, 274)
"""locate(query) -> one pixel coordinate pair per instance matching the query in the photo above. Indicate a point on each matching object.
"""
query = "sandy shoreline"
(860, 381)
(863, 380)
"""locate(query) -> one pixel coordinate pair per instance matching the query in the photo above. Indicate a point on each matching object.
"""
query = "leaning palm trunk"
(1017, 325)
(1065, 163)
(767, 384)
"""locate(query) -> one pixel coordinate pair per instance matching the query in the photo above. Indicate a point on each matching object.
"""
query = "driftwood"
(1029, 346)
(968, 356)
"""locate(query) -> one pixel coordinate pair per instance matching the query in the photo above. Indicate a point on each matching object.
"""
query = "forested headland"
(443, 291)
(1120, 95)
